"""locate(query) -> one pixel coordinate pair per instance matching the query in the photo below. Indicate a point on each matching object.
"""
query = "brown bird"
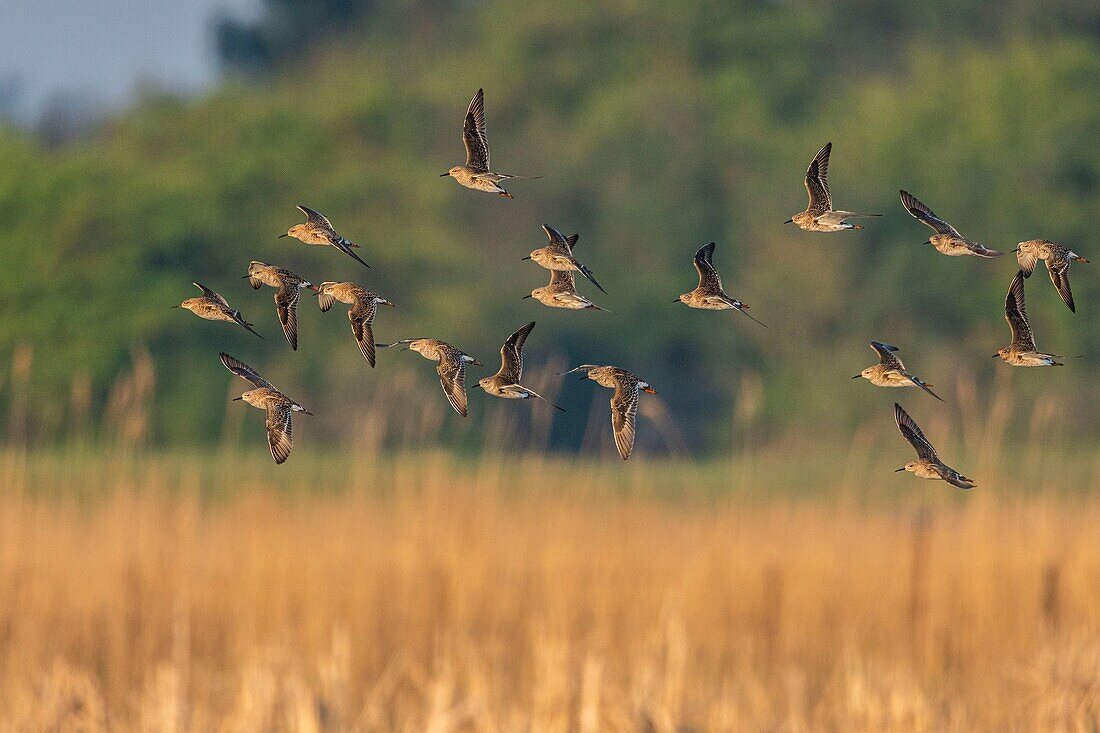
(558, 255)
(624, 402)
(213, 307)
(451, 368)
(819, 215)
(1058, 259)
(363, 304)
(928, 464)
(891, 372)
(1022, 351)
(288, 289)
(709, 294)
(280, 437)
(946, 239)
(505, 383)
(476, 173)
(318, 230)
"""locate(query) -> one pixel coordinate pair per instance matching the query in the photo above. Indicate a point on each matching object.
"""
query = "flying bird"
(558, 255)
(709, 294)
(1022, 352)
(451, 367)
(476, 174)
(819, 215)
(505, 383)
(562, 293)
(891, 372)
(624, 402)
(1058, 259)
(287, 293)
(318, 230)
(946, 239)
(213, 307)
(280, 437)
(364, 304)
(928, 464)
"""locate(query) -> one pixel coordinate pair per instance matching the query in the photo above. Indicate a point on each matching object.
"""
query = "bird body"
(1058, 260)
(288, 290)
(558, 256)
(267, 397)
(891, 371)
(709, 295)
(947, 239)
(364, 304)
(1022, 351)
(213, 307)
(476, 173)
(505, 383)
(562, 293)
(451, 367)
(819, 215)
(928, 464)
(318, 230)
(624, 401)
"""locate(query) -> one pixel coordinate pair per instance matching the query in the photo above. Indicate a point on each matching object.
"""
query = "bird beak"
(899, 470)
(1016, 250)
(523, 298)
(928, 241)
(676, 301)
(994, 356)
(444, 175)
(857, 376)
(175, 306)
(245, 277)
(282, 235)
(235, 399)
(316, 293)
(789, 221)
(521, 259)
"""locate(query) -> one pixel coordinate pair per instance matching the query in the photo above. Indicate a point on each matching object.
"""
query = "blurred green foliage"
(657, 127)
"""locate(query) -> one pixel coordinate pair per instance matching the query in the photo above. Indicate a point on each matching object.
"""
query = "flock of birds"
(561, 292)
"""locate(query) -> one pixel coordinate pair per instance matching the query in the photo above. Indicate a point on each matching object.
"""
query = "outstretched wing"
(925, 215)
(361, 316)
(1016, 315)
(624, 411)
(555, 236)
(1027, 260)
(912, 432)
(473, 134)
(817, 182)
(708, 276)
(563, 281)
(244, 371)
(286, 302)
(280, 435)
(315, 218)
(887, 357)
(1059, 275)
(511, 354)
(207, 292)
(452, 377)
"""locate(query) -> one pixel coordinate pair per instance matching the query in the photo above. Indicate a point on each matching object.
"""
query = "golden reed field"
(426, 592)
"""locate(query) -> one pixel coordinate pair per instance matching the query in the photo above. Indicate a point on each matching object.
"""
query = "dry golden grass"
(430, 594)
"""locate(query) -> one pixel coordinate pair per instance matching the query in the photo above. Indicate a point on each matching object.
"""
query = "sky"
(99, 51)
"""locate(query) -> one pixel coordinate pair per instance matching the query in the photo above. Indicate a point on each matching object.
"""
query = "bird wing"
(1027, 261)
(1016, 315)
(708, 276)
(887, 357)
(361, 316)
(1059, 275)
(452, 377)
(473, 134)
(925, 215)
(325, 301)
(817, 182)
(207, 292)
(953, 477)
(571, 241)
(316, 218)
(245, 372)
(624, 411)
(286, 302)
(563, 281)
(555, 236)
(511, 354)
(280, 434)
(912, 432)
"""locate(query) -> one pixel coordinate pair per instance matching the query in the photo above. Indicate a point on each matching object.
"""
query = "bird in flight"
(562, 293)
(946, 239)
(558, 255)
(624, 402)
(928, 464)
(451, 367)
(819, 215)
(709, 294)
(213, 307)
(505, 383)
(476, 174)
(288, 289)
(363, 304)
(891, 372)
(1058, 259)
(1022, 351)
(280, 436)
(318, 230)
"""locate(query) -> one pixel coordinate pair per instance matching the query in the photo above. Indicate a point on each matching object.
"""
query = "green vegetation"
(657, 127)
